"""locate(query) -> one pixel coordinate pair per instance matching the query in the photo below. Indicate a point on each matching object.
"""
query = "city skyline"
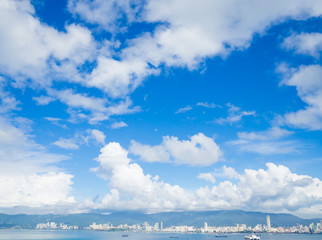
(160, 106)
(158, 227)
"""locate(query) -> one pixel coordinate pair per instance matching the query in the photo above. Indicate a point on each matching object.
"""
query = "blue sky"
(160, 106)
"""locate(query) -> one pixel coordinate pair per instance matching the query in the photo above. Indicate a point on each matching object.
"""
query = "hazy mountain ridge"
(213, 218)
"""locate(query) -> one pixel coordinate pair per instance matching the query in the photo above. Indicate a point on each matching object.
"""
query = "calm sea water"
(91, 235)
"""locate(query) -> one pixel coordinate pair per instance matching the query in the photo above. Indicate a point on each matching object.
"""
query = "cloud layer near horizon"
(274, 189)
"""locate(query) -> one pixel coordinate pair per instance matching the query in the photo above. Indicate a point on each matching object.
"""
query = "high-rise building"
(205, 226)
(268, 222)
(156, 227)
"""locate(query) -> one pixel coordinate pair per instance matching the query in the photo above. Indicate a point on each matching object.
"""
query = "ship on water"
(252, 237)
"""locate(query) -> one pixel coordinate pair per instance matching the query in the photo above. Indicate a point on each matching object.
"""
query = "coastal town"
(315, 228)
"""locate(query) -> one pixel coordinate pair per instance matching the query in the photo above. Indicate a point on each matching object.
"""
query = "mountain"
(190, 218)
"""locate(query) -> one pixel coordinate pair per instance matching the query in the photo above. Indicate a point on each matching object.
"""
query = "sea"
(23, 234)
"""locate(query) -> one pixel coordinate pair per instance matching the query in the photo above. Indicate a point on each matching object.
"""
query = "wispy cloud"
(117, 125)
(207, 105)
(271, 141)
(235, 114)
(199, 104)
(184, 109)
(90, 136)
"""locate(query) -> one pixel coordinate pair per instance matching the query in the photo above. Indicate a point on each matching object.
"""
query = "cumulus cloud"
(189, 38)
(119, 78)
(30, 58)
(46, 55)
(131, 188)
(181, 37)
(304, 43)
(308, 83)
(207, 176)
(200, 150)
(225, 172)
(230, 172)
(97, 135)
(274, 189)
(149, 153)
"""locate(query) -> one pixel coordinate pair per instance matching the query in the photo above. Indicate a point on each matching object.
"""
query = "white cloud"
(43, 100)
(225, 172)
(82, 106)
(29, 176)
(304, 43)
(267, 142)
(199, 104)
(200, 150)
(117, 125)
(119, 78)
(308, 83)
(207, 105)
(105, 13)
(27, 51)
(189, 38)
(230, 172)
(123, 107)
(207, 176)
(98, 135)
(81, 138)
(270, 134)
(36, 190)
(131, 188)
(56, 121)
(269, 147)
(46, 54)
(274, 189)
(150, 153)
(185, 39)
(181, 38)
(8, 101)
(76, 100)
(66, 143)
(184, 109)
(235, 114)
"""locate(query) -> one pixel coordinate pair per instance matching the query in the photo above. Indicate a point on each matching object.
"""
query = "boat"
(252, 237)
(221, 236)
(125, 235)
